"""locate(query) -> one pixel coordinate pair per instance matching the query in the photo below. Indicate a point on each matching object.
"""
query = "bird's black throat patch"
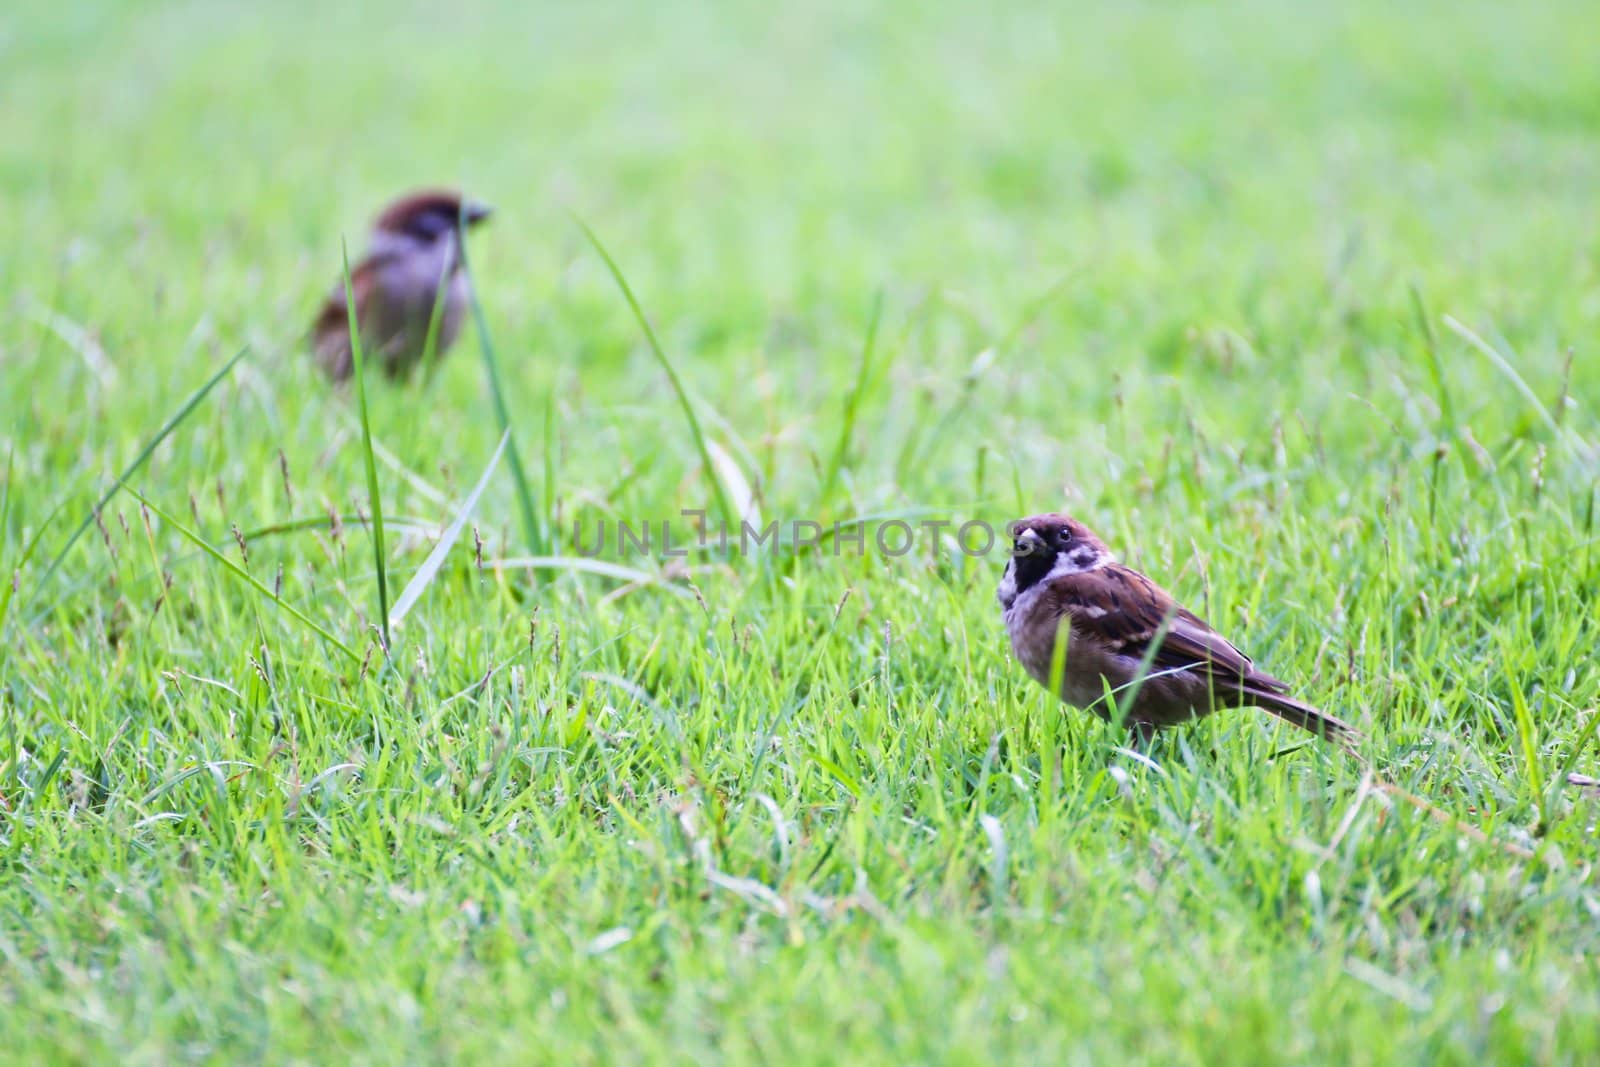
(1029, 568)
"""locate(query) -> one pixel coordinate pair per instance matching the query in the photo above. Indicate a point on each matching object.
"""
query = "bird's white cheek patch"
(1076, 563)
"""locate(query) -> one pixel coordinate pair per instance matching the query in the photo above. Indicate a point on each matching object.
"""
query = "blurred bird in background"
(408, 285)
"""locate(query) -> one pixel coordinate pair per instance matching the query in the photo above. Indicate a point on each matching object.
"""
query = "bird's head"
(1047, 546)
(425, 217)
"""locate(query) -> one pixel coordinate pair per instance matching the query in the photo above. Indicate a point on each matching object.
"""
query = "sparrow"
(1063, 579)
(413, 262)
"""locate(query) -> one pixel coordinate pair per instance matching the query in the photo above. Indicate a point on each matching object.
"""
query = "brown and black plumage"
(412, 265)
(1129, 645)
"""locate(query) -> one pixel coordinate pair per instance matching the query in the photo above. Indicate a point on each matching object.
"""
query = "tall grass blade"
(582, 564)
(1505, 367)
(1585, 736)
(852, 403)
(8, 586)
(6, 573)
(374, 499)
(724, 506)
(430, 567)
(144, 454)
(532, 527)
(5, 501)
(430, 340)
(1430, 343)
(551, 453)
(740, 493)
(250, 579)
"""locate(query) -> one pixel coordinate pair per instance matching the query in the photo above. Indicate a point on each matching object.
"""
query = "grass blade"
(322, 522)
(430, 340)
(724, 507)
(430, 566)
(532, 527)
(1586, 735)
(852, 403)
(8, 582)
(7, 574)
(374, 500)
(5, 501)
(740, 494)
(550, 455)
(1431, 346)
(1505, 367)
(239, 572)
(589, 566)
(139, 460)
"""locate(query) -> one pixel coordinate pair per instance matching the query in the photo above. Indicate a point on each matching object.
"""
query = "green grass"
(1298, 307)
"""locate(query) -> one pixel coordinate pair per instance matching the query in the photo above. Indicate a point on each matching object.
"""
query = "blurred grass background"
(1189, 272)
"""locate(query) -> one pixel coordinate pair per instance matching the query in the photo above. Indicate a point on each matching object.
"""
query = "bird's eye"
(1063, 536)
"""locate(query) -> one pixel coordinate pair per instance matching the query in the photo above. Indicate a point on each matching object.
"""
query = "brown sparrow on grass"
(1062, 578)
(412, 263)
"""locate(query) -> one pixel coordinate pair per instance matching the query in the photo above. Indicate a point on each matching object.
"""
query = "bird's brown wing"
(330, 333)
(1123, 611)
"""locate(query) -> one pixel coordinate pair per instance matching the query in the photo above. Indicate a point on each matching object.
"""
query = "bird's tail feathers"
(1312, 720)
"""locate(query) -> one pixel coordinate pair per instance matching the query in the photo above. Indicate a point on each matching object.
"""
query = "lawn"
(1297, 306)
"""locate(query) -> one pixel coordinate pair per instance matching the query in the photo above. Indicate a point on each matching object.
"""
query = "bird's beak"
(1027, 543)
(474, 212)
